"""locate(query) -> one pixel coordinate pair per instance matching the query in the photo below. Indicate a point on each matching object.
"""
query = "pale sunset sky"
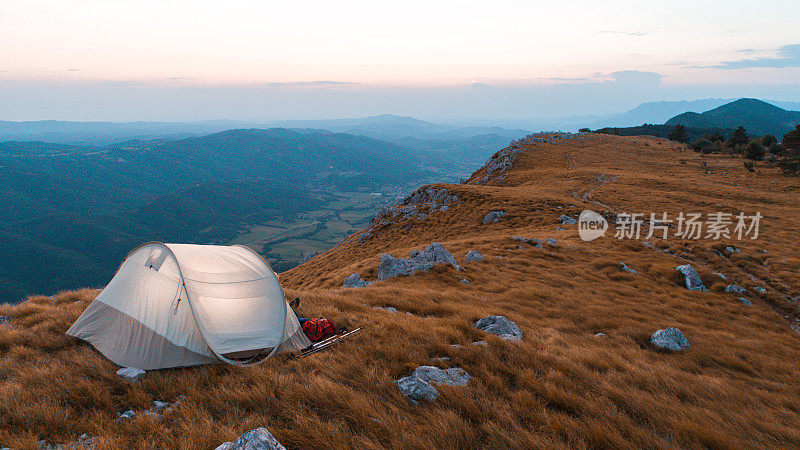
(448, 60)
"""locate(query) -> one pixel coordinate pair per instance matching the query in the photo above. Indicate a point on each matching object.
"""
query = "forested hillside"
(69, 213)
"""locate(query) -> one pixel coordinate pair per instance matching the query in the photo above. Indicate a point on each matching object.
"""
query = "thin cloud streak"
(788, 56)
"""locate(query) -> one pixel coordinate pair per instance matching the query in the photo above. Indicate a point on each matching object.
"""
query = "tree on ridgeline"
(791, 149)
(704, 146)
(678, 134)
(791, 141)
(717, 137)
(755, 151)
(739, 139)
(768, 140)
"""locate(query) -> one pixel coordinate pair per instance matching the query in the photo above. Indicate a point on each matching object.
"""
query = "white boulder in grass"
(131, 373)
(258, 439)
(419, 385)
(417, 389)
(693, 281)
(567, 220)
(417, 261)
(473, 255)
(670, 339)
(493, 217)
(500, 326)
(735, 288)
(354, 281)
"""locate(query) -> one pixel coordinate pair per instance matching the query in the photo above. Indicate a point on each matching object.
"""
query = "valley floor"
(562, 386)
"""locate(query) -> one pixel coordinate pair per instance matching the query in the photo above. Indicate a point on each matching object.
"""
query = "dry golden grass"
(561, 386)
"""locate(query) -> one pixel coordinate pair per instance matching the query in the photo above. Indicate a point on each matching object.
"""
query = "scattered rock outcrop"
(419, 386)
(3, 320)
(735, 288)
(493, 217)
(129, 414)
(625, 268)
(156, 411)
(473, 256)
(501, 161)
(417, 261)
(566, 220)
(431, 198)
(693, 281)
(670, 339)
(759, 289)
(420, 204)
(131, 373)
(258, 439)
(354, 281)
(417, 389)
(84, 441)
(745, 301)
(532, 241)
(500, 326)
(504, 159)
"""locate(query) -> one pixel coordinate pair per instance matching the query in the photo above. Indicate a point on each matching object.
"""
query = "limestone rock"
(354, 281)
(736, 289)
(131, 373)
(693, 281)
(473, 255)
(419, 386)
(493, 217)
(417, 261)
(454, 376)
(532, 241)
(129, 414)
(258, 439)
(670, 339)
(417, 389)
(500, 326)
(566, 220)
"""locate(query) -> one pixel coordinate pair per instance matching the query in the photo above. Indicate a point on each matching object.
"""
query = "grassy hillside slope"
(560, 387)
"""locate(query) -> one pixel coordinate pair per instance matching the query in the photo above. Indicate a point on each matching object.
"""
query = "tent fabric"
(175, 305)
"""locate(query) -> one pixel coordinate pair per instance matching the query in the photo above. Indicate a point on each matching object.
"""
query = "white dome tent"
(176, 305)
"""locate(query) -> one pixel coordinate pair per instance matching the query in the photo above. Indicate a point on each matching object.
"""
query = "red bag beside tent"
(318, 329)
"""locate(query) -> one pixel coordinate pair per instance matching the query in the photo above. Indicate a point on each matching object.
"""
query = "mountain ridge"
(756, 116)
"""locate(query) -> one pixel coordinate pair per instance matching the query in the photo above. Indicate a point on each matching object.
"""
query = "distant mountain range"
(661, 112)
(385, 127)
(756, 116)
